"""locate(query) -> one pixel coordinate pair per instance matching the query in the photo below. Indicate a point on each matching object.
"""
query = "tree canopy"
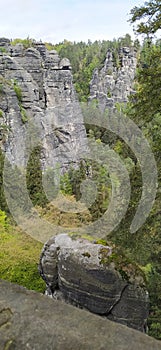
(146, 101)
(147, 17)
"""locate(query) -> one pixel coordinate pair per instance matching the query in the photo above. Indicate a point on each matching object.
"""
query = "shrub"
(34, 178)
(18, 91)
(2, 49)
(24, 116)
(25, 42)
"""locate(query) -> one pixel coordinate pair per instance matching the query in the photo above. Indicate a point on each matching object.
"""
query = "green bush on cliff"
(25, 42)
(34, 178)
(18, 91)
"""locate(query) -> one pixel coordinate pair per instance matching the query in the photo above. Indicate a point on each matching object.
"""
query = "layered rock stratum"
(95, 277)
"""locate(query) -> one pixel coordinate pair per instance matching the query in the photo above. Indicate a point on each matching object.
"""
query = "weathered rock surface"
(39, 106)
(94, 277)
(114, 83)
(29, 320)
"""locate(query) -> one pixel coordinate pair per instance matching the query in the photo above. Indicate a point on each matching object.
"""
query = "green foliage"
(65, 184)
(1, 113)
(144, 108)
(2, 49)
(3, 219)
(3, 204)
(147, 17)
(102, 180)
(70, 220)
(25, 42)
(75, 177)
(154, 323)
(154, 287)
(49, 46)
(19, 257)
(3, 84)
(19, 253)
(18, 91)
(109, 94)
(71, 185)
(126, 41)
(24, 116)
(34, 178)
(146, 101)
(4, 130)
(127, 267)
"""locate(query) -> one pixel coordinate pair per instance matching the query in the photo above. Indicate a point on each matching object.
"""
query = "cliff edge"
(29, 320)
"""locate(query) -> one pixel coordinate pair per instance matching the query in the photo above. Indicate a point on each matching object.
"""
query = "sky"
(74, 20)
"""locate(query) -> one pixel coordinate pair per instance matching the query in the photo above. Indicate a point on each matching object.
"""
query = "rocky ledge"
(95, 277)
(29, 320)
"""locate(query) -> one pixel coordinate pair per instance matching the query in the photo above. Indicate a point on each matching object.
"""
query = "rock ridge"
(29, 320)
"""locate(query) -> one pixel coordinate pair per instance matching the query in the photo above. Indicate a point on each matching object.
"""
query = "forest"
(19, 254)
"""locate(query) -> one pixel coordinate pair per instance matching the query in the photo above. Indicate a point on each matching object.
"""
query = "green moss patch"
(19, 257)
(128, 269)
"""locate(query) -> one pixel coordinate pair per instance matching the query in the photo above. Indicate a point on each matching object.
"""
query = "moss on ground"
(19, 257)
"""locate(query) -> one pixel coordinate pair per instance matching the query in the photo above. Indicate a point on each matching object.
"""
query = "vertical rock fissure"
(108, 312)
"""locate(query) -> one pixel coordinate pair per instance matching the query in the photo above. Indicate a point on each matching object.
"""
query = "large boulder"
(95, 277)
(29, 320)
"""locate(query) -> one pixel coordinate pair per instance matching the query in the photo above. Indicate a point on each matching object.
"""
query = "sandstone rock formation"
(32, 321)
(95, 277)
(38, 106)
(114, 82)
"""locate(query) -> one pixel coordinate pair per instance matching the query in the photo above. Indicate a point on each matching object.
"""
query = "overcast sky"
(74, 20)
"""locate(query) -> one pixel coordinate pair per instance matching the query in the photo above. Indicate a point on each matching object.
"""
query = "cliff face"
(38, 106)
(95, 277)
(114, 82)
